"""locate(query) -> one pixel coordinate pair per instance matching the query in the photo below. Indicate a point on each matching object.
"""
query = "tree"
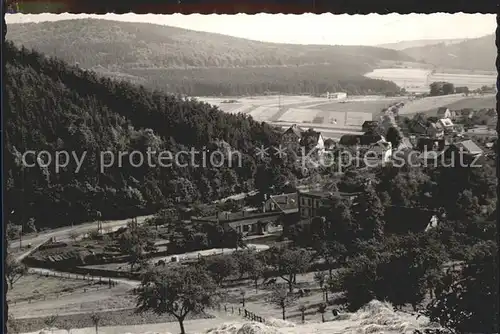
(256, 272)
(320, 278)
(96, 319)
(31, 225)
(135, 242)
(282, 298)
(322, 309)
(245, 260)
(302, 309)
(468, 302)
(370, 214)
(221, 267)
(177, 292)
(394, 137)
(242, 294)
(290, 262)
(14, 270)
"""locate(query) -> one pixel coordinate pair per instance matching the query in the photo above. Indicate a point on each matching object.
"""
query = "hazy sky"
(344, 29)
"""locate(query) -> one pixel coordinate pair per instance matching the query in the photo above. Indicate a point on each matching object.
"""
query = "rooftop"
(297, 130)
(286, 202)
(324, 193)
(469, 147)
(236, 216)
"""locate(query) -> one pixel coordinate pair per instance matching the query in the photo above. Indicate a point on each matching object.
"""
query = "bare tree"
(302, 309)
(320, 278)
(14, 270)
(282, 298)
(242, 294)
(322, 309)
(96, 319)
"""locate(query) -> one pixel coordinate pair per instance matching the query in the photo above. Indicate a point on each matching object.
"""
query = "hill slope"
(473, 54)
(418, 43)
(53, 107)
(149, 54)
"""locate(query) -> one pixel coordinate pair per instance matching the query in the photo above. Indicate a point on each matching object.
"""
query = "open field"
(418, 80)
(430, 105)
(333, 118)
(38, 296)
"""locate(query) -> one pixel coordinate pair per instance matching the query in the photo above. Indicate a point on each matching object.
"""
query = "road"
(63, 234)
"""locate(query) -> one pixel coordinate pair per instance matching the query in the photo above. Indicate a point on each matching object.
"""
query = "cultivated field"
(333, 118)
(418, 80)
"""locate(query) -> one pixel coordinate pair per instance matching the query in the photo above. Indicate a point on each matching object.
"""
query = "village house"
(284, 203)
(419, 129)
(310, 201)
(268, 219)
(447, 125)
(295, 137)
(381, 150)
(444, 112)
(431, 144)
(369, 126)
(330, 144)
(312, 140)
(435, 130)
(468, 148)
(292, 136)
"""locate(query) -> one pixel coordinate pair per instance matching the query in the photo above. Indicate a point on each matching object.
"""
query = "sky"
(373, 29)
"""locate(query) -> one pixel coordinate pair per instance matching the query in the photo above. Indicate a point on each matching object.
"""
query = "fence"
(243, 312)
(97, 279)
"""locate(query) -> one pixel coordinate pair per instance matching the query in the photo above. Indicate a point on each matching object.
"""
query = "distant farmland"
(430, 105)
(418, 80)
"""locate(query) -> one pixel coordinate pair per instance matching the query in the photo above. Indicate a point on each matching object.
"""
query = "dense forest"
(473, 54)
(54, 107)
(198, 63)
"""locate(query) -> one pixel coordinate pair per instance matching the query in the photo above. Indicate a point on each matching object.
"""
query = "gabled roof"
(314, 135)
(442, 110)
(285, 202)
(469, 147)
(446, 122)
(295, 130)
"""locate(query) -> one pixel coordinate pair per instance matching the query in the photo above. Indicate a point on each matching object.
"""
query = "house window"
(303, 212)
(308, 202)
(246, 228)
(302, 201)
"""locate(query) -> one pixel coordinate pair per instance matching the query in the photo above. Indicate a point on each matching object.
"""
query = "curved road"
(63, 234)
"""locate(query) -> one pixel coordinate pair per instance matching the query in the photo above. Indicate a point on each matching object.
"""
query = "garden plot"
(333, 117)
(263, 113)
(299, 115)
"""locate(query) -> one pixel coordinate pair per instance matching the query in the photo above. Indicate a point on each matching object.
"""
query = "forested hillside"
(471, 54)
(199, 63)
(54, 107)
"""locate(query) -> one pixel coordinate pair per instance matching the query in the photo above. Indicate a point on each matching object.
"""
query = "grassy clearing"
(37, 296)
(110, 318)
